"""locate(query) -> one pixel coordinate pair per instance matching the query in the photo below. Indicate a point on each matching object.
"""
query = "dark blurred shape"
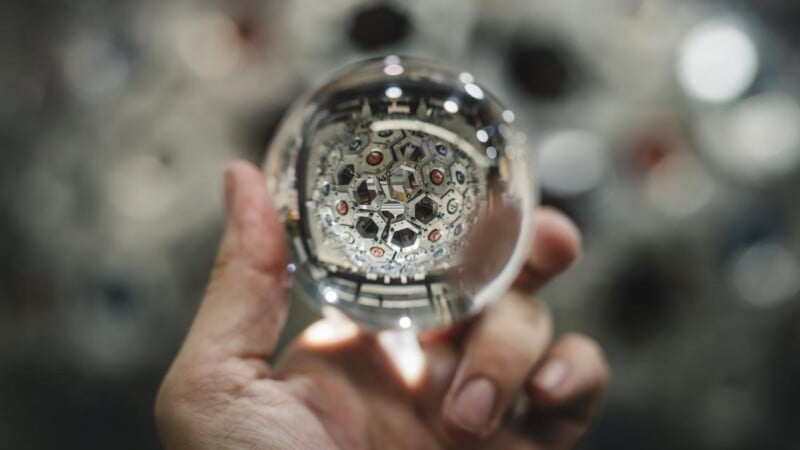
(540, 69)
(751, 226)
(117, 296)
(570, 207)
(641, 424)
(784, 371)
(378, 26)
(642, 298)
(40, 397)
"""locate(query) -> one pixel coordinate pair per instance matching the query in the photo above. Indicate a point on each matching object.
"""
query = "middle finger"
(499, 352)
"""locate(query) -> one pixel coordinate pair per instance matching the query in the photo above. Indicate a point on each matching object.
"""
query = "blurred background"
(668, 130)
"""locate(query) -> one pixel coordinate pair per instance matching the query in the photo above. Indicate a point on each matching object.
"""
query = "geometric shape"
(404, 238)
(437, 177)
(425, 210)
(452, 206)
(374, 158)
(367, 228)
(364, 193)
(345, 175)
(413, 153)
(391, 209)
(342, 207)
(404, 183)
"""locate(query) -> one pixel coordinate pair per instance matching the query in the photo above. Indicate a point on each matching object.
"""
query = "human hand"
(221, 393)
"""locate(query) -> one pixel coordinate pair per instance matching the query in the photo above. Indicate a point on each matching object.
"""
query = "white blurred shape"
(717, 62)
(405, 353)
(393, 70)
(572, 162)
(450, 106)
(482, 135)
(334, 328)
(466, 77)
(474, 91)
(95, 70)
(209, 45)
(391, 60)
(755, 139)
(766, 129)
(679, 185)
(394, 92)
(330, 295)
(405, 322)
(766, 274)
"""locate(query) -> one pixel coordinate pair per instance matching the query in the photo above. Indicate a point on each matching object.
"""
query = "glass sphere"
(406, 194)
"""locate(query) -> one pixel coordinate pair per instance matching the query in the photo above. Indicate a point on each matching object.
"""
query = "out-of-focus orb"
(766, 274)
(405, 192)
(95, 68)
(756, 139)
(766, 128)
(717, 62)
(572, 162)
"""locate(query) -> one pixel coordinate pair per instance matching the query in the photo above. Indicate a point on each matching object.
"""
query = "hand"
(221, 393)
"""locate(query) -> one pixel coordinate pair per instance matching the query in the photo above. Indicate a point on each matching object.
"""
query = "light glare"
(334, 328)
(450, 106)
(331, 296)
(394, 92)
(717, 62)
(403, 350)
(474, 91)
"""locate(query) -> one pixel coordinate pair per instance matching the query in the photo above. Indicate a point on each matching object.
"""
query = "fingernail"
(473, 406)
(551, 375)
(229, 186)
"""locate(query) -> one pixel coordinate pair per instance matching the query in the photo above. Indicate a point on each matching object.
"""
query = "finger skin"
(564, 401)
(245, 304)
(557, 245)
(585, 373)
(501, 347)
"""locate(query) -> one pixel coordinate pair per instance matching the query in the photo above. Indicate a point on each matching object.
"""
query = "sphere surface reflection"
(406, 194)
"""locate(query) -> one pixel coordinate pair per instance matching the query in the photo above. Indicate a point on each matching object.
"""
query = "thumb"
(245, 304)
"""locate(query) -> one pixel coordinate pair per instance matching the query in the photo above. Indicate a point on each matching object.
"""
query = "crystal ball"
(406, 193)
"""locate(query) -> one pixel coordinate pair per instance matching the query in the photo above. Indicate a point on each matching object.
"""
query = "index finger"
(557, 244)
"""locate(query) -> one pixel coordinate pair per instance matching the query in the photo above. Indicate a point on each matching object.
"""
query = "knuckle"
(525, 309)
(580, 342)
(519, 335)
(528, 323)
(589, 350)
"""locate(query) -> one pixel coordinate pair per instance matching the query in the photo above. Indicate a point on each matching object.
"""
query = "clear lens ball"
(406, 193)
